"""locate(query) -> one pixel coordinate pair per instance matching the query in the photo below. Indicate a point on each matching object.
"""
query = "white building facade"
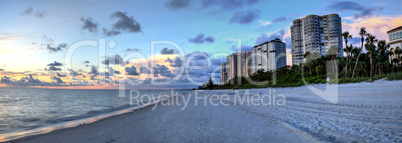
(266, 56)
(315, 33)
(395, 40)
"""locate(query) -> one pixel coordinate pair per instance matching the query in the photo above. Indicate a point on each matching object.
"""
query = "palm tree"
(370, 46)
(398, 53)
(382, 46)
(318, 69)
(346, 36)
(210, 84)
(332, 52)
(307, 56)
(362, 33)
(349, 51)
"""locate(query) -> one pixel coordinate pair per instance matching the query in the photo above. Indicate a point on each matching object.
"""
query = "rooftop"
(392, 30)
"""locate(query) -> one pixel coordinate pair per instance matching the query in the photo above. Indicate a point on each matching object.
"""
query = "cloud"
(54, 66)
(32, 80)
(288, 42)
(131, 70)
(60, 75)
(55, 49)
(227, 4)
(92, 77)
(94, 70)
(177, 4)
(114, 60)
(112, 71)
(1, 69)
(112, 32)
(197, 58)
(40, 13)
(124, 23)
(86, 63)
(147, 81)
(47, 39)
(376, 26)
(242, 48)
(144, 70)
(200, 38)
(245, 17)
(209, 39)
(166, 51)
(49, 43)
(162, 70)
(89, 24)
(264, 37)
(55, 63)
(264, 23)
(57, 79)
(73, 73)
(132, 50)
(281, 19)
(28, 11)
(177, 62)
(362, 11)
(5, 79)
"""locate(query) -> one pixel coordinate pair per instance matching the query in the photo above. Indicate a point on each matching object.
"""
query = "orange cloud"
(288, 57)
(377, 26)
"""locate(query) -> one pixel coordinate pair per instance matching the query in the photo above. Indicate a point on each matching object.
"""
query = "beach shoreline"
(66, 134)
(362, 109)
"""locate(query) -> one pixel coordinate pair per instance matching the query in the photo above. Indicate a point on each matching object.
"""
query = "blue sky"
(28, 27)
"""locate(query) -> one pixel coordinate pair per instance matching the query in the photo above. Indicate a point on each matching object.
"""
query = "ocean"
(23, 109)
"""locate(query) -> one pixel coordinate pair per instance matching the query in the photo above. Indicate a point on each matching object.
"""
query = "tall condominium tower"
(231, 65)
(268, 56)
(224, 73)
(315, 33)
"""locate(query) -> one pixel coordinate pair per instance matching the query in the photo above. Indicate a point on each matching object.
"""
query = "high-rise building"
(315, 33)
(268, 56)
(277, 54)
(231, 64)
(244, 63)
(224, 73)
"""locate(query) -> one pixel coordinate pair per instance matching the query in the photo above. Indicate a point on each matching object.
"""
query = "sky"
(99, 44)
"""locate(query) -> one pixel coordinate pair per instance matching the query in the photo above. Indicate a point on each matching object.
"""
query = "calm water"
(25, 109)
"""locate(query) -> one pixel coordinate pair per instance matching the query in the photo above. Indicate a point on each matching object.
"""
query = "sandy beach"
(365, 112)
(172, 124)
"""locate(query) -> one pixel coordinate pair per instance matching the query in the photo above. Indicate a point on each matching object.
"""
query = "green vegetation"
(355, 67)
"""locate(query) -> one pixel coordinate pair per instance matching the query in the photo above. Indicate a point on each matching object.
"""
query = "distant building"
(395, 40)
(315, 33)
(224, 73)
(231, 65)
(237, 64)
(268, 56)
(205, 84)
(244, 63)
